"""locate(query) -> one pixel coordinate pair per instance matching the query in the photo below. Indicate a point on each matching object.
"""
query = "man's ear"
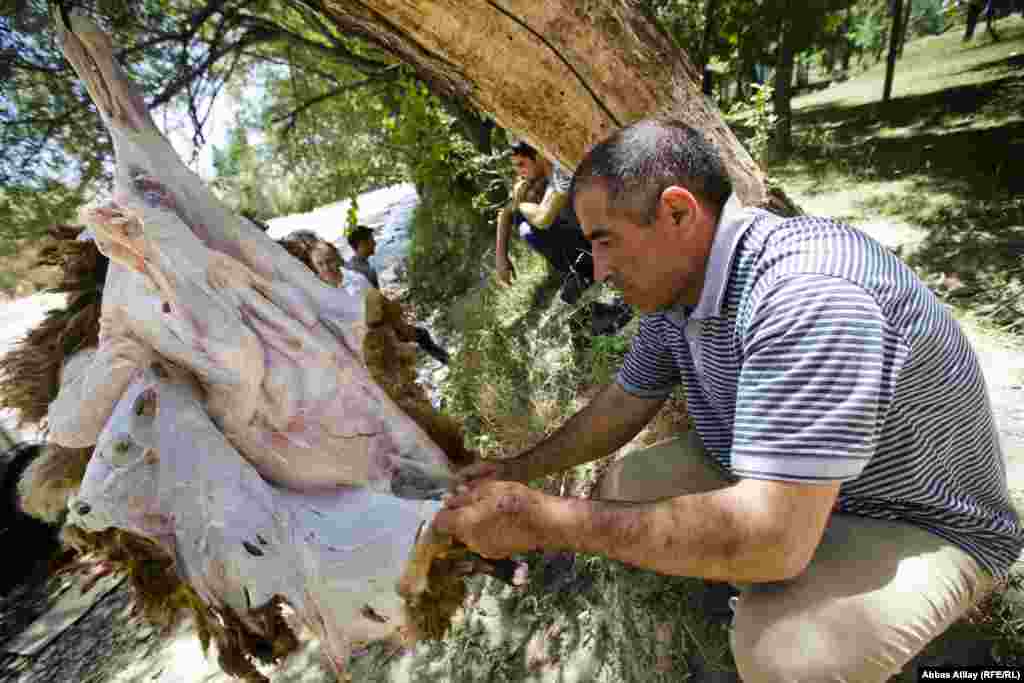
(679, 204)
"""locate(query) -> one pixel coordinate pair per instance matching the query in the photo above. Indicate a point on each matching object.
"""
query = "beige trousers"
(873, 596)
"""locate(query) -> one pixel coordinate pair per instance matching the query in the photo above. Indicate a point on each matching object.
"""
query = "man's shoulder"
(803, 226)
(810, 242)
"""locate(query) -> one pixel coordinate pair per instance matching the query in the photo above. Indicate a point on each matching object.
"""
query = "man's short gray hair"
(635, 164)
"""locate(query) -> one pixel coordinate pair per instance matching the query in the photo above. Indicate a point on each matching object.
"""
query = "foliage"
(324, 124)
(319, 97)
(604, 357)
(758, 118)
(496, 388)
(458, 185)
(57, 154)
(869, 31)
(683, 20)
(927, 18)
(241, 176)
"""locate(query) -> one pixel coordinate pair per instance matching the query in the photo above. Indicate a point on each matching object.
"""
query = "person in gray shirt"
(364, 245)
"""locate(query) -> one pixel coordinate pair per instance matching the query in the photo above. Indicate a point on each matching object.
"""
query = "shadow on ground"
(579, 619)
(960, 150)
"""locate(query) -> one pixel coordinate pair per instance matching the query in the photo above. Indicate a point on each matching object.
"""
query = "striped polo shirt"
(816, 355)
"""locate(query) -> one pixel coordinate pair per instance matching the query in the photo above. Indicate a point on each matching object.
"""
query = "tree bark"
(710, 11)
(847, 43)
(894, 40)
(783, 142)
(904, 28)
(561, 74)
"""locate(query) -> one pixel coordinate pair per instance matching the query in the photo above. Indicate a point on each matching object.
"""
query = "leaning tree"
(562, 74)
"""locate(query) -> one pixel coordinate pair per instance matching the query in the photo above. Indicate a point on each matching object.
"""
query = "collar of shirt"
(732, 223)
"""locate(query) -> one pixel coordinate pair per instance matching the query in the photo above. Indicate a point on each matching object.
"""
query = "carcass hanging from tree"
(240, 441)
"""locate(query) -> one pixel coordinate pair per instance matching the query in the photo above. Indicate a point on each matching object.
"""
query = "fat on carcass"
(235, 421)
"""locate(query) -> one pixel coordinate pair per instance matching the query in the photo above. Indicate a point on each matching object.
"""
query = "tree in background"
(245, 176)
(895, 40)
(57, 155)
(774, 32)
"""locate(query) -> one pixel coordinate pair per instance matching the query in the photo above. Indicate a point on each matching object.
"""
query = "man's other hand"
(495, 519)
(504, 270)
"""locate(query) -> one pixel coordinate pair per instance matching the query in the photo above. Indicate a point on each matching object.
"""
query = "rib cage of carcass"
(224, 364)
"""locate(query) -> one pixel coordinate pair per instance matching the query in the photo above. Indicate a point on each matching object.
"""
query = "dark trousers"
(563, 246)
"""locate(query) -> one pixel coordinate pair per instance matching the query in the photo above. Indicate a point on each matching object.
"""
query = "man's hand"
(505, 271)
(495, 519)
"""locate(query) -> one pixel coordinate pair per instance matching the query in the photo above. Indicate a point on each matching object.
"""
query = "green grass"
(937, 169)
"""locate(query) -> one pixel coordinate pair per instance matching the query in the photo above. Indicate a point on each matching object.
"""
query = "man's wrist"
(555, 521)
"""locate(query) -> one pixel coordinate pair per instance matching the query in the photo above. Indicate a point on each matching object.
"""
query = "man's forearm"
(543, 215)
(720, 535)
(504, 228)
(607, 423)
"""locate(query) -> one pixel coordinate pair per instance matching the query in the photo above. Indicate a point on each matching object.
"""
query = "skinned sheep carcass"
(162, 470)
(235, 422)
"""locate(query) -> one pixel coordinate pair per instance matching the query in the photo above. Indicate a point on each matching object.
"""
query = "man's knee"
(791, 650)
(674, 467)
(875, 594)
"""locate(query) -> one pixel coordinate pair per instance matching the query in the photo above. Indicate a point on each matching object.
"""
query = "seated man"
(845, 471)
(364, 245)
(540, 209)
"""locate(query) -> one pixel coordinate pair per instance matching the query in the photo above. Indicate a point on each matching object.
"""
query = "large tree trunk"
(560, 73)
(710, 12)
(904, 28)
(894, 42)
(783, 142)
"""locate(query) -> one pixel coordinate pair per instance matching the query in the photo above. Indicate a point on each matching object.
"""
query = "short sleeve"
(649, 369)
(819, 369)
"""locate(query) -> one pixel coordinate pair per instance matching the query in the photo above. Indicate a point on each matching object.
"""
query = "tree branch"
(292, 116)
(339, 52)
(212, 56)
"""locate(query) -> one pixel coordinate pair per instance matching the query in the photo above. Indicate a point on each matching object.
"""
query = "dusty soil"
(104, 641)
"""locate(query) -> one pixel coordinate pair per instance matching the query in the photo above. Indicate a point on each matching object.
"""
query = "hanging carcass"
(236, 425)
